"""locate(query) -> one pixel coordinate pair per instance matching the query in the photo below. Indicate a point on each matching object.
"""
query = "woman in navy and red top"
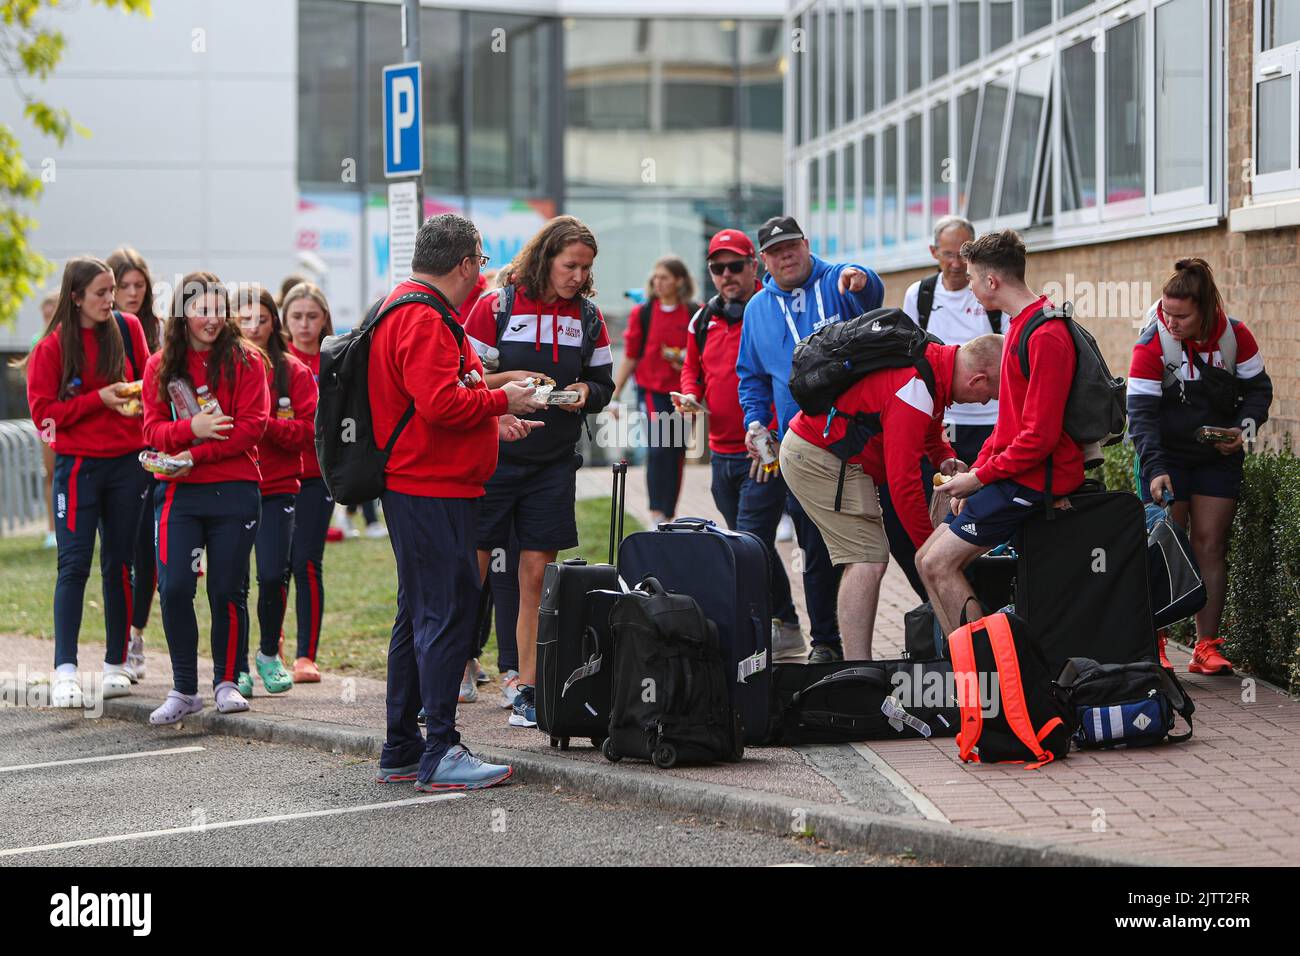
(134, 294)
(290, 435)
(1188, 339)
(307, 322)
(73, 374)
(212, 503)
(654, 348)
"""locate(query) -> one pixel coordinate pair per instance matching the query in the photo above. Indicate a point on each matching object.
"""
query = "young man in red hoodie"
(1009, 478)
(421, 359)
(749, 499)
(875, 436)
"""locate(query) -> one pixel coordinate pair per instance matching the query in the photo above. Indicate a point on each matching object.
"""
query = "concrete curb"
(840, 827)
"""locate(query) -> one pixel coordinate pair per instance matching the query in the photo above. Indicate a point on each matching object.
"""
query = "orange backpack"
(1004, 692)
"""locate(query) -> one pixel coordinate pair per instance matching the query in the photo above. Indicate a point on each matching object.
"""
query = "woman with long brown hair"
(307, 321)
(75, 378)
(1197, 391)
(205, 405)
(545, 327)
(134, 296)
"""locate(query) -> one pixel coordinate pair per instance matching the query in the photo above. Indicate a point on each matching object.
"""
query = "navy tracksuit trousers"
(272, 546)
(663, 463)
(95, 494)
(312, 514)
(146, 563)
(438, 593)
(222, 519)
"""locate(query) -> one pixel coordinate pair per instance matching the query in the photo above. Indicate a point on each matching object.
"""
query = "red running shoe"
(1163, 637)
(1206, 658)
(334, 534)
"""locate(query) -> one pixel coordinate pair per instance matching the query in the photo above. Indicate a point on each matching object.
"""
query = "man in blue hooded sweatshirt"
(800, 295)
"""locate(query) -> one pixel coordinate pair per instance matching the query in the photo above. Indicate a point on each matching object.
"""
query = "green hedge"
(1261, 617)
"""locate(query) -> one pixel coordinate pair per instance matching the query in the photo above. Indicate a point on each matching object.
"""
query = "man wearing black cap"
(801, 294)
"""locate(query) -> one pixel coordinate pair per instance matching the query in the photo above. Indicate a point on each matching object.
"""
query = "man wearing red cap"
(709, 383)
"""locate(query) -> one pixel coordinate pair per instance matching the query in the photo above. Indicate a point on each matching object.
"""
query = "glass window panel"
(890, 57)
(796, 67)
(1079, 127)
(849, 197)
(380, 24)
(1035, 15)
(815, 205)
(1273, 126)
(441, 49)
(967, 107)
(869, 205)
(1125, 113)
(914, 49)
(506, 143)
(817, 78)
(868, 14)
(761, 97)
(1181, 53)
(1001, 23)
(938, 40)
(1022, 144)
(988, 145)
(1281, 23)
(849, 29)
(889, 187)
(968, 36)
(914, 164)
(328, 119)
(941, 163)
(1072, 6)
(831, 44)
(831, 190)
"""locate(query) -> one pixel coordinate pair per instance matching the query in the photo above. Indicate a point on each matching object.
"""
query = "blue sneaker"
(398, 774)
(461, 770)
(523, 713)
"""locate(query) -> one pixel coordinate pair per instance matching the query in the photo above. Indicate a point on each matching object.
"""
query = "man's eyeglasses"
(482, 260)
(735, 267)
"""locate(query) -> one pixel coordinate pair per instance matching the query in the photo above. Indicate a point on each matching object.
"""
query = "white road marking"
(130, 756)
(928, 809)
(227, 824)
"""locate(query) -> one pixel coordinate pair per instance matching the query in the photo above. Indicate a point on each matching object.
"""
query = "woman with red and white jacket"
(75, 374)
(1194, 367)
(206, 405)
(290, 435)
(307, 321)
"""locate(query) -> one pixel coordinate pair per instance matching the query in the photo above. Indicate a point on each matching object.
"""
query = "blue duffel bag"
(1122, 705)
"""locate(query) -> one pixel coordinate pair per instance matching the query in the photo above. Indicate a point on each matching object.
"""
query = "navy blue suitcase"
(728, 574)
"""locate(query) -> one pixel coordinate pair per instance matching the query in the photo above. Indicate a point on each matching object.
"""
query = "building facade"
(1116, 136)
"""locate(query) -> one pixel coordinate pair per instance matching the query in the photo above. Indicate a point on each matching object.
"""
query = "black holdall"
(1177, 589)
(1123, 705)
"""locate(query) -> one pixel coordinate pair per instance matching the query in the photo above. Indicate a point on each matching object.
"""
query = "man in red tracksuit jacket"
(420, 356)
(1009, 478)
(874, 437)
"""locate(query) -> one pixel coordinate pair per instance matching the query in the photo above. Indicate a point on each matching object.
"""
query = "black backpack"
(669, 700)
(925, 305)
(1096, 409)
(1122, 705)
(838, 355)
(350, 461)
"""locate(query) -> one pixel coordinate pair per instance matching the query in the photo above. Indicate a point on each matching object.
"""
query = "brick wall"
(1112, 284)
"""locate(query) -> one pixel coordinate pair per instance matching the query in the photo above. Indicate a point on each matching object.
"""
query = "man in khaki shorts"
(875, 435)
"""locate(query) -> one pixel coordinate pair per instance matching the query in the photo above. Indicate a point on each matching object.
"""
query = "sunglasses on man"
(735, 267)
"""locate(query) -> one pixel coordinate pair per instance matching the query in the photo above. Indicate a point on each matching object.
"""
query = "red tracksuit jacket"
(654, 372)
(82, 424)
(310, 466)
(720, 386)
(247, 400)
(287, 441)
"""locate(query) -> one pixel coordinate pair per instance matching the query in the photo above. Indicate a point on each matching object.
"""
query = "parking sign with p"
(403, 140)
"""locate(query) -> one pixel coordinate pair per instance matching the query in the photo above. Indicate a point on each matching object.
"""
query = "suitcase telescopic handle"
(617, 507)
(687, 524)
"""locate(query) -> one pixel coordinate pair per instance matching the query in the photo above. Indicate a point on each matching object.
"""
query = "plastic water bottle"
(208, 402)
(762, 440)
(285, 409)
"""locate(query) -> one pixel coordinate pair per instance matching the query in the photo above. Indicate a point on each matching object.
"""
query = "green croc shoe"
(244, 684)
(275, 678)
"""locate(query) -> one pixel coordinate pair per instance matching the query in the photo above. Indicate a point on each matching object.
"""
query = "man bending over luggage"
(877, 433)
(1028, 443)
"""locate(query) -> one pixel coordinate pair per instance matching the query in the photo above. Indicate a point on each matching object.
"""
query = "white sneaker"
(376, 530)
(509, 689)
(66, 691)
(135, 658)
(117, 682)
(787, 642)
(51, 541)
(785, 530)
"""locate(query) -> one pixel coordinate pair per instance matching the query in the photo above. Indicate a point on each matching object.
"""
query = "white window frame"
(921, 114)
(1137, 206)
(1191, 195)
(988, 78)
(1021, 220)
(1274, 64)
(1086, 33)
(871, 224)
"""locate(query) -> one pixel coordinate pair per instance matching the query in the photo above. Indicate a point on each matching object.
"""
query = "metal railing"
(22, 474)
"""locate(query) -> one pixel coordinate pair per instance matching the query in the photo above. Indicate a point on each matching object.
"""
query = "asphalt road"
(205, 799)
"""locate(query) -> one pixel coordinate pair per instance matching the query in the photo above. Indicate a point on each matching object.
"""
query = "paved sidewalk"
(1239, 776)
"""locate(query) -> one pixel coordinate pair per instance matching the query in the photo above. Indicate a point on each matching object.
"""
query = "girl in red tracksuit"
(73, 378)
(654, 348)
(212, 503)
(307, 322)
(134, 294)
(290, 434)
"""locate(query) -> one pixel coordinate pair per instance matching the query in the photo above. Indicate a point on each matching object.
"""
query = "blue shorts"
(1213, 479)
(537, 500)
(994, 513)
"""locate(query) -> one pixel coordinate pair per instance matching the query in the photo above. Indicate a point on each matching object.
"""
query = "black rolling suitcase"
(729, 574)
(573, 639)
(669, 699)
(1081, 581)
(862, 700)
